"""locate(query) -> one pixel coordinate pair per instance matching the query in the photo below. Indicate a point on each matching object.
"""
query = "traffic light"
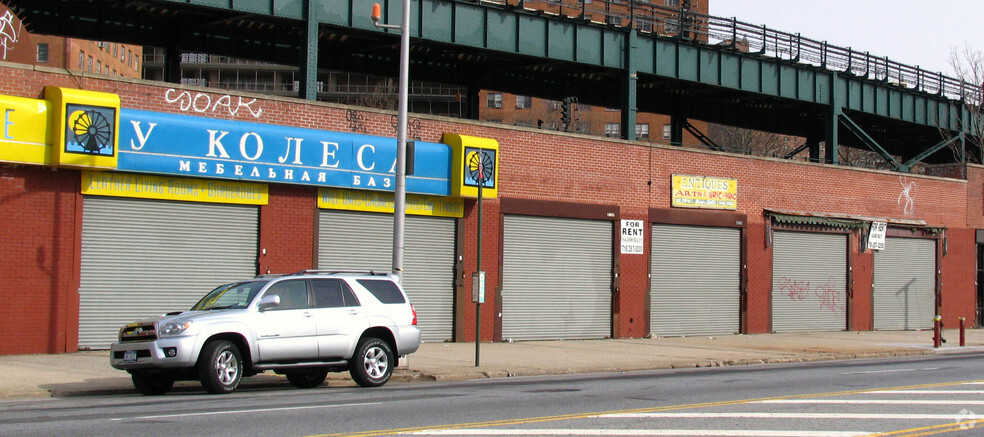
(565, 112)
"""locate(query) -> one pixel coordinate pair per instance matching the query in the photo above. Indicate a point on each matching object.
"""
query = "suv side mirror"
(269, 301)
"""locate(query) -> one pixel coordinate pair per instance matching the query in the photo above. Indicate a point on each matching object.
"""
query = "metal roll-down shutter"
(142, 258)
(809, 282)
(904, 289)
(695, 280)
(350, 240)
(556, 278)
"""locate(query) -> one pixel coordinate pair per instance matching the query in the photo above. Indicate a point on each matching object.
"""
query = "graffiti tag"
(202, 103)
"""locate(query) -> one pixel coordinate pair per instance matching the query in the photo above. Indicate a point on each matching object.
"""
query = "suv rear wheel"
(372, 364)
(220, 367)
(307, 378)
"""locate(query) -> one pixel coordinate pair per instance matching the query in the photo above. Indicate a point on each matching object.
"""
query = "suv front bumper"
(153, 354)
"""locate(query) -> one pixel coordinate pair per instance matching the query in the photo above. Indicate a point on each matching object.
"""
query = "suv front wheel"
(220, 367)
(372, 364)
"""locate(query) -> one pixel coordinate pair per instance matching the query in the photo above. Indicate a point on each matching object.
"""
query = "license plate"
(130, 356)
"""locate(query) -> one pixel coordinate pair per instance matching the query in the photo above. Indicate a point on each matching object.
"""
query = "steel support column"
(677, 122)
(172, 61)
(832, 122)
(308, 88)
(629, 106)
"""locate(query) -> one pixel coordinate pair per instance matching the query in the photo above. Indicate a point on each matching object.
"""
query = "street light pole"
(400, 192)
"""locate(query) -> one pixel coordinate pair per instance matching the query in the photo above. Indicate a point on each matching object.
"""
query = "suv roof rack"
(340, 272)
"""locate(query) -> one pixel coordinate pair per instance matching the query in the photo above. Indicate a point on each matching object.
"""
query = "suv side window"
(384, 290)
(332, 293)
(293, 294)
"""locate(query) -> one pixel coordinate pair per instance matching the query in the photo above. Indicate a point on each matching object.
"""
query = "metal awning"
(844, 221)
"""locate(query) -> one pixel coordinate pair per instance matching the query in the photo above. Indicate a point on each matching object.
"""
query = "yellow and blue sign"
(26, 137)
(475, 162)
(153, 142)
(84, 127)
(144, 186)
(89, 130)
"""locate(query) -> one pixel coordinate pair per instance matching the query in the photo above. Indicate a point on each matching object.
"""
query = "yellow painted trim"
(71, 110)
(382, 202)
(24, 134)
(143, 186)
(460, 163)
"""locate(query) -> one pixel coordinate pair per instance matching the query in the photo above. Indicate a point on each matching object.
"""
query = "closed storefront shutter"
(142, 258)
(364, 241)
(809, 282)
(905, 284)
(695, 280)
(556, 278)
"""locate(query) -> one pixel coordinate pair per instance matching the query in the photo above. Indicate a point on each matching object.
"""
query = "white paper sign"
(876, 236)
(632, 237)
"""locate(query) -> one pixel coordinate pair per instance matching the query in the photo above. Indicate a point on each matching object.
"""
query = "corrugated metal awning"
(843, 221)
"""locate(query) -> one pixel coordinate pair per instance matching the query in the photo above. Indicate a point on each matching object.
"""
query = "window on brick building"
(523, 102)
(495, 100)
(99, 67)
(89, 64)
(81, 60)
(667, 131)
(611, 129)
(43, 52)
(642, 130)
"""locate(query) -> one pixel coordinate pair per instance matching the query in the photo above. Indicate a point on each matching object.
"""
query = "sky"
(911, 32)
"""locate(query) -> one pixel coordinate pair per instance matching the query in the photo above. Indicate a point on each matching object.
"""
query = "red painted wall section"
(631, 303)
(862, 279)
(38, 259)
(958, 271)
(287, 229)
(465, 320)
(758, 272)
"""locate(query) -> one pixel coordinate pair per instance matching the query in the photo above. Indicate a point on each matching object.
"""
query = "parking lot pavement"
(88, 372)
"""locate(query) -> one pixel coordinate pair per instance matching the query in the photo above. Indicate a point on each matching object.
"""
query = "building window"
(667, 131)
(645, 26)
(122, 53)
(642, 130)
(523, 102)
(42, 52)
(674, 3)
(116, 49)
(495, 100)
(99, 67)
(611, 129)
(89, 65)
(81, 60)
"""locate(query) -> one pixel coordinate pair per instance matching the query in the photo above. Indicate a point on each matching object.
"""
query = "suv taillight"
(414, 311)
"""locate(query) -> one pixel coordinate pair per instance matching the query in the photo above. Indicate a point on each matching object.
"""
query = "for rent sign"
(704, 192)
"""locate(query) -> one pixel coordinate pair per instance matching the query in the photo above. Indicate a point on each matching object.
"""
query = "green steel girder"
(853, 127)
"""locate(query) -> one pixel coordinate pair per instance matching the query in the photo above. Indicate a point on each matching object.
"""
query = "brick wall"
(287, 229)
(535, 166)
(39, 259)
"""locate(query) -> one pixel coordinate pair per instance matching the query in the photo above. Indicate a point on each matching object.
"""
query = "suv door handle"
(306, 314)
(353, 312)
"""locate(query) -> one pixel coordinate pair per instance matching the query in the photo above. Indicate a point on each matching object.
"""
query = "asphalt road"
(902, 396)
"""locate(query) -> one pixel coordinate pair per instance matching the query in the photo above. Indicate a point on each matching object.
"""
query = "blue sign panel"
(153, 142)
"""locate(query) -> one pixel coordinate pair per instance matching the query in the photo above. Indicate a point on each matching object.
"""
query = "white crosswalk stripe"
(845, 414)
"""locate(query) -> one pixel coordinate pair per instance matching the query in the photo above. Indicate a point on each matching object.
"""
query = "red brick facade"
(540, 173)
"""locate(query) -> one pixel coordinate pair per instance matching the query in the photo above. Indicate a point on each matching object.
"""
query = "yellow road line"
(543, 419)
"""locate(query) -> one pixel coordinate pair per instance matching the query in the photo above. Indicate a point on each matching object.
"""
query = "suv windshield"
(235, 295)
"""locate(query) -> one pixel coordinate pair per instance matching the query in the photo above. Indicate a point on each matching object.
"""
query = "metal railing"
(665, 21)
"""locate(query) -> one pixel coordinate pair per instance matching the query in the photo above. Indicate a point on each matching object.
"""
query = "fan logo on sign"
(89, 130)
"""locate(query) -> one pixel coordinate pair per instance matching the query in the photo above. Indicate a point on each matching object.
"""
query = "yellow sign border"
(147, 186)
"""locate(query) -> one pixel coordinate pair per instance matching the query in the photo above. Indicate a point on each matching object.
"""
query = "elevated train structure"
(635, 56)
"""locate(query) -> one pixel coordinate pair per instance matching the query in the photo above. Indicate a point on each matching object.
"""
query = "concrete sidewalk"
(89, 373)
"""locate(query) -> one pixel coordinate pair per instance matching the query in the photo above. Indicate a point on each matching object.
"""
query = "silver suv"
(302, 325)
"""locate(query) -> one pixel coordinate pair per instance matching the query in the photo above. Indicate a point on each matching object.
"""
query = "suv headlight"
(174, 328)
